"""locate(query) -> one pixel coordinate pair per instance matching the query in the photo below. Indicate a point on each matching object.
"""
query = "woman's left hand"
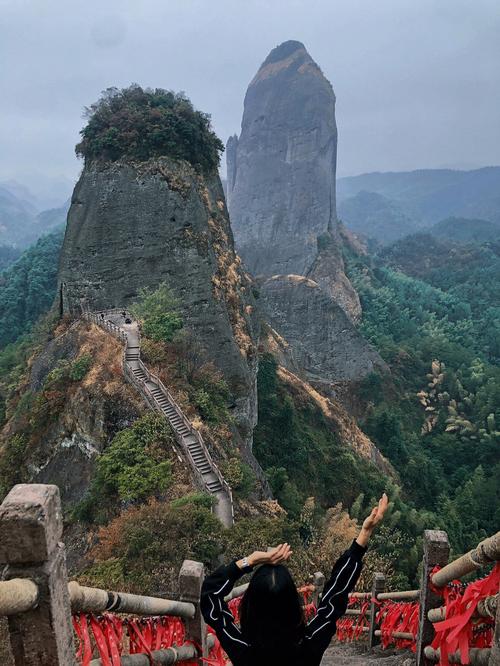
(276, 555)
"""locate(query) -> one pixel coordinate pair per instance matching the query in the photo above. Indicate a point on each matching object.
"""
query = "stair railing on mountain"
(100, 318)
(381, 613)
(38, 600)
(196, 452)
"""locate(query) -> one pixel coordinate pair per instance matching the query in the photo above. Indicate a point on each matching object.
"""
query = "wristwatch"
(245, 562)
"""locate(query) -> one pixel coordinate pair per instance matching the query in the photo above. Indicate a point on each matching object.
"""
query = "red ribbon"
(457, 632)
(350, 627)
(105, 634)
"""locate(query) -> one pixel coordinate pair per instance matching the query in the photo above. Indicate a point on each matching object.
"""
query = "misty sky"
(417, 81)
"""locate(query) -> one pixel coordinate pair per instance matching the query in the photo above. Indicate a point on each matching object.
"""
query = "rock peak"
(281, 169)
(284, 50)
(281, 175)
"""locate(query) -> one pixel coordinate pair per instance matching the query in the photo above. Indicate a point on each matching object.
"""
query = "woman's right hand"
(276, 555)
(371, 522)
(377, 514)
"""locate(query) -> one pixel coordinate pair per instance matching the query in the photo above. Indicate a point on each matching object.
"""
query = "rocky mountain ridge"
(389, 205)
(136, 225)
(281, 169)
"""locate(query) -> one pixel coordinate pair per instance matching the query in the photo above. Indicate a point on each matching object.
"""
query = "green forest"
(433, 314)
(439, 419)
(27, 287)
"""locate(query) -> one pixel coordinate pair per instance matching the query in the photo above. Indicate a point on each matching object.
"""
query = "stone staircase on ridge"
(159, 398)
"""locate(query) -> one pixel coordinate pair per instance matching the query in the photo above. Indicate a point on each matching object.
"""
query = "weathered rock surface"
(281, 173)
(90, 414)
(328, 271)
(281, 170)
(136, 225)
(320, 337)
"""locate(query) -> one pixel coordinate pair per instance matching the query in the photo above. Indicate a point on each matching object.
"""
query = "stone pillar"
(377, 587)
(436, 553)
(30, 532)
(190, 582)
(495, 648)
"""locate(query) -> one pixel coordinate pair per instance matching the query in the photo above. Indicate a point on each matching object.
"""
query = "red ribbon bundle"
(398, 617)
(458, 631)
(107, 633)
(309, 607)
(350, 627)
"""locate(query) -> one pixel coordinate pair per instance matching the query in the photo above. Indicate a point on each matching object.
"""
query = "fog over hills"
(21, 222)
(389, 205)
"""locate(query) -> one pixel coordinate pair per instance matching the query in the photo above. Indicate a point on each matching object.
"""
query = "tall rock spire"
(281, 170)
(281, 175)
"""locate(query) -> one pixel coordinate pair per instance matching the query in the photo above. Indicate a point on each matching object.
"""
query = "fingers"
(383, 503)
(280, 554)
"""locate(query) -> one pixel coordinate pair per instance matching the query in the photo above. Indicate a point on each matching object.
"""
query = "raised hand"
(377, 513)
(276, 555)
(375, 517)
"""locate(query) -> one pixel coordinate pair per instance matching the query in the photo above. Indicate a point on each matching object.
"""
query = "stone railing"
(437, 573)
(38, 600)
(142, 387)
(99, 318)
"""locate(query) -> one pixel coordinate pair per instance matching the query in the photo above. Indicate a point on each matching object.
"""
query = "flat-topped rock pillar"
(30, 546)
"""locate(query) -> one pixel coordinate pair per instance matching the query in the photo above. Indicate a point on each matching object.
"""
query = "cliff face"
(281, 176)
(320, 339)
(327, 270)
(281, 170)
(135, 225)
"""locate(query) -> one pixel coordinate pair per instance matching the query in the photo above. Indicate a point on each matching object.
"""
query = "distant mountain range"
(21, 223)
(388, 206)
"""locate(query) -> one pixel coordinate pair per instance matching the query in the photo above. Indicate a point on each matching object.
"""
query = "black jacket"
(319, 630)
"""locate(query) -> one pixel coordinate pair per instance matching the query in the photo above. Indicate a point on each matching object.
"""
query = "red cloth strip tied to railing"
(459, 631)
(394, 617)
(351, 627)
(309, 607)
(108, 634)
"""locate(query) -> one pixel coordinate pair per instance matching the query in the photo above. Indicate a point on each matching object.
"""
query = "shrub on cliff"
(157, 312)
(142, 123)
(134, 467)
(142, 549)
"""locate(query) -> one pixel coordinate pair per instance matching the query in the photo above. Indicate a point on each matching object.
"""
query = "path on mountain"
(160, 399)
(352, 654)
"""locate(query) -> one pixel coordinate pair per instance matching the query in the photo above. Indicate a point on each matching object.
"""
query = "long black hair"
(271, 612)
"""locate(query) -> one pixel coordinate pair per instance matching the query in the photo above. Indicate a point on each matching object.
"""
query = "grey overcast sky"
(417, 81)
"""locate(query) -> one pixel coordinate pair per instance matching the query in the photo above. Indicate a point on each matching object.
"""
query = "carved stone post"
(436, 553)
(30, 532)
(495, 648)
(190, 582)
(377, 587)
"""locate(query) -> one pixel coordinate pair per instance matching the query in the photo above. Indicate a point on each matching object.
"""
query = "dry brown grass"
(340, 421)
(229, 282)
